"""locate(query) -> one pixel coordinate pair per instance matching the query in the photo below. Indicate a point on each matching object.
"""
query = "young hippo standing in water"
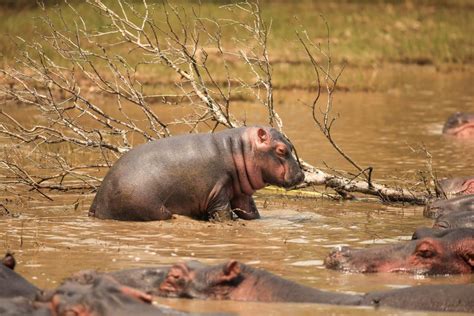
(200, 175)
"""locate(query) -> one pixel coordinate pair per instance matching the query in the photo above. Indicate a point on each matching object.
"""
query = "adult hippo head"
(198, 175)
(446, 252)
(460, 125)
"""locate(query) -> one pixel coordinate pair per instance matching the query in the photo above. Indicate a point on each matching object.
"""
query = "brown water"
(51, 240)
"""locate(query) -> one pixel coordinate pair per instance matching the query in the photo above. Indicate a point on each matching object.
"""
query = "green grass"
(362, 33)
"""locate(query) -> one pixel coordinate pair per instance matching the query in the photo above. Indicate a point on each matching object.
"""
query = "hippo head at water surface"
(443, 252)
(460, 125)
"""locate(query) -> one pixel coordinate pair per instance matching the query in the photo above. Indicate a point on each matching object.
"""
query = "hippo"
(204, 176)
(239, 282)
(445, 297)
(236, 281)
(460, 125)
(452, 187)
(440, 207)
(11, 283)
(448, 251)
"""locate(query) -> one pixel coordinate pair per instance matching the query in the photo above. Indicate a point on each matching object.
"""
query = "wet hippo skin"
(200, 175)
(460, 125)
(22, 306)
(451, 297)
(11, 283)
(440, 207)
(432, 252)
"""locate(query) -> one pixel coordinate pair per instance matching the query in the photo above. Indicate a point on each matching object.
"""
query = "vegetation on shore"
(362, 32)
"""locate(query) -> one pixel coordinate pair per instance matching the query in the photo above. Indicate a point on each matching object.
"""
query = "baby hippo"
(203, 176)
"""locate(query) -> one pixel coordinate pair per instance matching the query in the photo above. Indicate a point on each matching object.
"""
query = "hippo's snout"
(296, 179)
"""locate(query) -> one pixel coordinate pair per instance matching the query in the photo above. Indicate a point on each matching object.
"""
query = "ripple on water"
(307, 263)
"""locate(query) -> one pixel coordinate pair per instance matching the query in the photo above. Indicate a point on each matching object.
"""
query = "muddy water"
(54, 239)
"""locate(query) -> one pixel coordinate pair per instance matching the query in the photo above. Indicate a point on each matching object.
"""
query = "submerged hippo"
(461, 203)
(452, 187)
(445, 252)
(200, 175)
(460, 125)
(445, 297)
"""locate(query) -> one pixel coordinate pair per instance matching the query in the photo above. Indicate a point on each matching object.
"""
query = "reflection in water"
(51, 240)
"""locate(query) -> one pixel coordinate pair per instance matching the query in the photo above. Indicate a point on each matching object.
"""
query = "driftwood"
(176, 41)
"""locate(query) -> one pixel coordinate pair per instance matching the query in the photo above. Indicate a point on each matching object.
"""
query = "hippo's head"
(196, 280)
(275, 159)
(449, 253)
(460, 125)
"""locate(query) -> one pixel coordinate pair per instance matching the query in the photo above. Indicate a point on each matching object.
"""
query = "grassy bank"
(362, 32)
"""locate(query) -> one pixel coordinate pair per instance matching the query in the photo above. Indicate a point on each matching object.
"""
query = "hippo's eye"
(426, 254)
(281, 151)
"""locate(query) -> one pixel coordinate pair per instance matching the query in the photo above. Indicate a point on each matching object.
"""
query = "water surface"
(52, 239)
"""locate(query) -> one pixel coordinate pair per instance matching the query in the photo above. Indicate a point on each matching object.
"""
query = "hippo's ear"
(263, 137)
(9, 261)
(468, 186)
(231, 270)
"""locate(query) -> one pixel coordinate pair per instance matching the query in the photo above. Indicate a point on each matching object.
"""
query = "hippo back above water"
(198, 175)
